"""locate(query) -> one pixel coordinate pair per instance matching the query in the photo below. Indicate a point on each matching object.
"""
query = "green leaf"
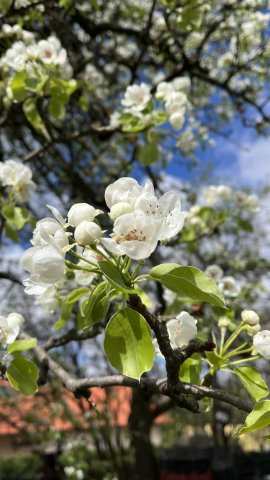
(16, 216)
(77, 294)
(215, 359)
(60, 91)
(128, 343)
(64, 316)
(21, 345)
(258, 418)
(11, 232)
(188, 281)
(35, 84)
(191, 369)
(97, 306)
(33, 117)
(144, 298)
(22, 375)
(56, 109)
(244, 225)
(252, 381)
(113, 276)
(17, 86)
(149, 153)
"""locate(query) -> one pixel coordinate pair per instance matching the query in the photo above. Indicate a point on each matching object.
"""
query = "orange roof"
(60, 410)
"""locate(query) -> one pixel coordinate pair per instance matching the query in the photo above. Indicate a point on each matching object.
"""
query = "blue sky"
(243, 160)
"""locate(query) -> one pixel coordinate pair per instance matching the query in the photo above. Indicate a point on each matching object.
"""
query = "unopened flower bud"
(87, 233)
(120, 208)
(253, 329)
(81, 212)
(250, 317)
(177, 119)
(223, 322)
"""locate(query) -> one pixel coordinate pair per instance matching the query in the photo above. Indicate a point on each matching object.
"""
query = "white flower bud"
(253, 329)
(87, 233)
(250, 317)
(177, 119)
(81, 212)
(223, 322)
(120, 208)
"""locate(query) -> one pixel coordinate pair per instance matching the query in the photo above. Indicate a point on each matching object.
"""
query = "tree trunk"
(140, 423)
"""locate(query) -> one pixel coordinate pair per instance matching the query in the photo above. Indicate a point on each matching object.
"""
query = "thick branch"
(155, 385)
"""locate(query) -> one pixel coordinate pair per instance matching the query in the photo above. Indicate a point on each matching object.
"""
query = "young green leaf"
(113, 275)
(252, 381)
(191, 369)
(22, 375)
(34, 118)
(258, 418)
(64, 316)
(188, 281)
(17, 86)
(128, 343)
(215, 359)
(77, 294)
(21, 345)
(97, 306)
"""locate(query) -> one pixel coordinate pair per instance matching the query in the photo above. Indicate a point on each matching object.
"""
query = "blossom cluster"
(18, 178)
(138, 102)
(140, 221)
(47, 53)
(216, 193)
(174, 94)
(32, 62)
(226, 284)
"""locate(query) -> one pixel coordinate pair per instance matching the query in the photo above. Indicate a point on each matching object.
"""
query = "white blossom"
(126, 194)
(55, 231)
(249, 202)
(50, 52)
(164, 89)
(214, 193)
(229, 287)
(126, 190)
(214, 272)
(18, 176)
(46, 265)
(137, 96)
(181, 330)
(48, 299)
(135, 235)
(166, 210)
(119, 209)
(10, 327)
(261, 342)
(15, 57)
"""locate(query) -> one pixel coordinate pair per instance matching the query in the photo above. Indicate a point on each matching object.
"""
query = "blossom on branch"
(10, 327)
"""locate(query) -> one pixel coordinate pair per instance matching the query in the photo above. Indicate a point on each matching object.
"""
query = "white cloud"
(254, 163)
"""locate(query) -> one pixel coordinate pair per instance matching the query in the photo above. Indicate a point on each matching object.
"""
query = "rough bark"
(140, 423)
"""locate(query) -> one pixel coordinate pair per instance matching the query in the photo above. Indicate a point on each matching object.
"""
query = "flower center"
(47, 53)
(135, 234)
